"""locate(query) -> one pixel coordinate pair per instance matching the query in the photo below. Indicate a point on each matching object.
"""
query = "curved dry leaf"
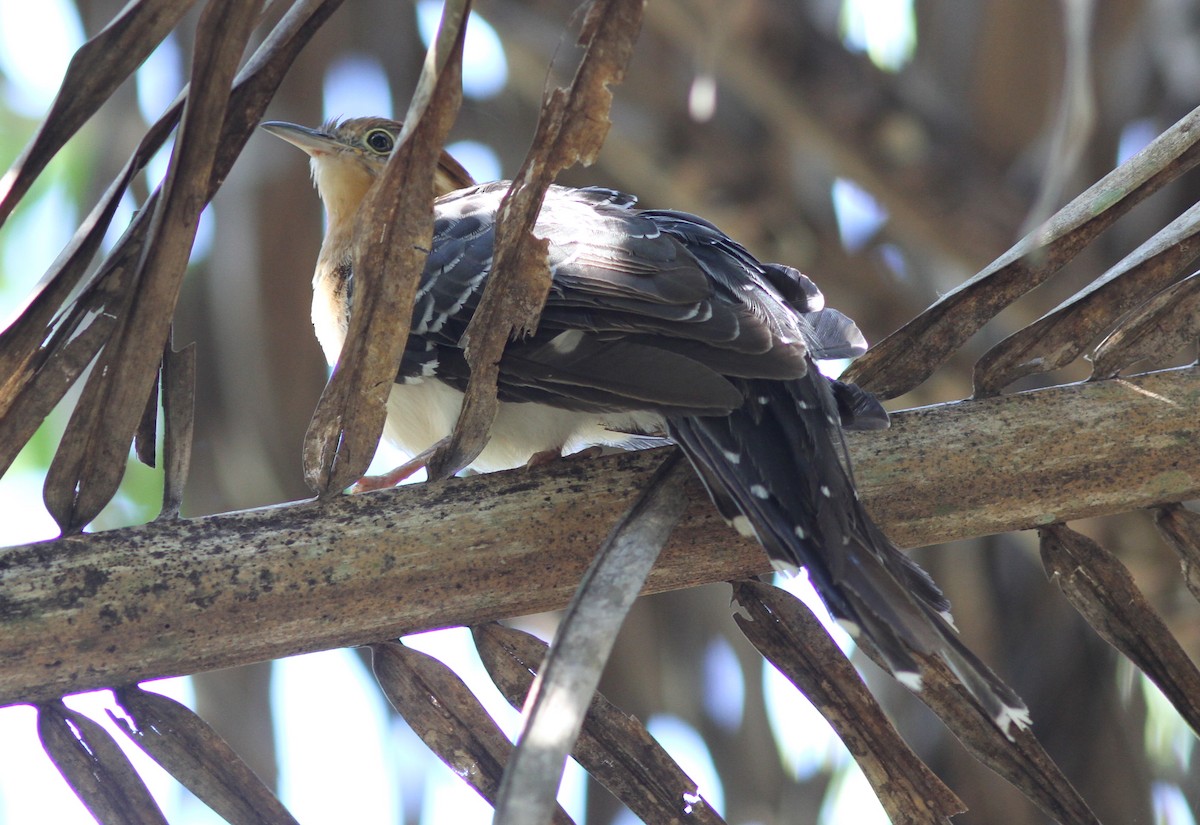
(1104, 593)
(1060, 336)
(178, 401)
(62, 361)
(787, 634)
(34, 375)
(392, 226)
(192, 752)
(910, 355)
(1181, 529)
(1159, 328)
(21, 343)
(35, 336)
(95, 768)
(571, 128)
(567, 680)
(614, 747)
(448, 718)
(145, 436)
(97, 68)
(90, 461)
(796, 643)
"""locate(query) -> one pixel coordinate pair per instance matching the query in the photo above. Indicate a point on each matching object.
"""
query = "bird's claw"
(367, 484)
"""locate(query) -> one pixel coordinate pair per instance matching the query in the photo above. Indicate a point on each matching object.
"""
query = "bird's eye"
(380, 140)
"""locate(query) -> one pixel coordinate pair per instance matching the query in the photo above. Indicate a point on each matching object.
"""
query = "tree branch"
(167, 598)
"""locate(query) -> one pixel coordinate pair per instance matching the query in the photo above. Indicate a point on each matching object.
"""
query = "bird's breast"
(331, 308)
(423, 412)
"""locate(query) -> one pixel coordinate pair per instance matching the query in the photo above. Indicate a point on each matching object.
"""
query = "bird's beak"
(313, 141)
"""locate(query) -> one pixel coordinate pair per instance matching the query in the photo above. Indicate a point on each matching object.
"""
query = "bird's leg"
(393, 477)
(544, 457)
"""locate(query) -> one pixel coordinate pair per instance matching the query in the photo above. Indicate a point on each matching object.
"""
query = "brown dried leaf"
(1181, 529)
(910, 355)
(785, 631)
(90, 461)
(34, 377)
(95, 768)
(61, 363)
(35, 342)
(571, 129)
(198, 757)
(1022, 761)
(22, 352)
(614, 747)
(145, 437)
(392, 227)
(1057, 338)
(1104, 593)
(1159, 328)
(96, 70)
(567, 680)
(178, 400)
(447, 717)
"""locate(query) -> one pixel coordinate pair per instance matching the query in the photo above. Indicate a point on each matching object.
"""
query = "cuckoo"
(657, 326)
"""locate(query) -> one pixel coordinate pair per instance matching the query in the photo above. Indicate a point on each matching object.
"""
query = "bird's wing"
(648, 310)
(660, 311)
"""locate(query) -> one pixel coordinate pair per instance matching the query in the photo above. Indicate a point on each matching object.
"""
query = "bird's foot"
(391, 478)
(544, 457)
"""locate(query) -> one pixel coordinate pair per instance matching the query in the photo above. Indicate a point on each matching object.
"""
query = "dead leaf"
(787, 634)
(1104, 593)
(178, 401)
(1157, 329)
(96, 69)
(1021, 760)
(447, 717)
(567, 680)
(1060, 336)
(910, 355)
(614, 747)
(571, 129)
(90, 461)
(192, 752)
(1181, 529)
(95, 768)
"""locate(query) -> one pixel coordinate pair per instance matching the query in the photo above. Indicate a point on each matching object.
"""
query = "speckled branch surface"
(191, 595)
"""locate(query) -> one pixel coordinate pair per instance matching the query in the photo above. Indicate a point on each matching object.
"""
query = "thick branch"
(182, 597)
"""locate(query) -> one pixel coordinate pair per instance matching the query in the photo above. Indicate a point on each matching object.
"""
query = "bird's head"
(348, 156)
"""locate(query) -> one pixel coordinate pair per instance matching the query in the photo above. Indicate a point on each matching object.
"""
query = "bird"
(657, 326)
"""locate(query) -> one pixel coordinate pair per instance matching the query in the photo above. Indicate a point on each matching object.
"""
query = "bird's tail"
(777, 470)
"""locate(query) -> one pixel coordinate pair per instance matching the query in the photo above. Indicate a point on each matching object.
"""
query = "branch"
(168, 598)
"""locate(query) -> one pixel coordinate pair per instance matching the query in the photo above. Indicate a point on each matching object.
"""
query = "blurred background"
(888, 148)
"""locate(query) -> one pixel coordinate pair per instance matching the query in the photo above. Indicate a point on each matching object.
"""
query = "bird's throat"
(342, 183)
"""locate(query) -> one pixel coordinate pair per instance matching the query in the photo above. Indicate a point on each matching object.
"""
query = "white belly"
(420, 415)
(423, 413)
